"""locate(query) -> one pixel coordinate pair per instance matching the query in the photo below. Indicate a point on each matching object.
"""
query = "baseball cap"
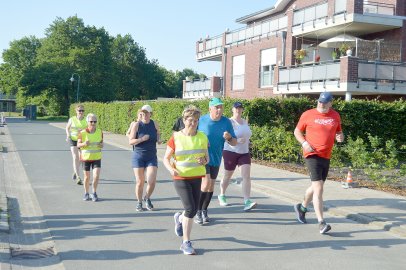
(238, 105)
(146, 108)
(215, 101)
(325, 97)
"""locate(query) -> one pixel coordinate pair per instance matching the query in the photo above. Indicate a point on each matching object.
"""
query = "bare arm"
(167, 161)
(301, 139)
(132, 140)
(158, 133)
(67, 129)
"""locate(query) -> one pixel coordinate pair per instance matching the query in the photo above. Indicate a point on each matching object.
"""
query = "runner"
(238, 155)
(73, 128)
(90, 141)
(218, 129)
(316, 131)
(188, 147)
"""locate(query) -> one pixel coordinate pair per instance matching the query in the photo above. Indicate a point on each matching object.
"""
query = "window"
(268, 61)
(238, 72)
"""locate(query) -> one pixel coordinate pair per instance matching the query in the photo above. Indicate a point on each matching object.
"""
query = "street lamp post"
(72, 79)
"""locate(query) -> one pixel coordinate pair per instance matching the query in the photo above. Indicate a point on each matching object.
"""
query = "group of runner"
(194, 153)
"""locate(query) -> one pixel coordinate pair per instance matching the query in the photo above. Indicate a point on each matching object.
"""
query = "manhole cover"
(22, 254)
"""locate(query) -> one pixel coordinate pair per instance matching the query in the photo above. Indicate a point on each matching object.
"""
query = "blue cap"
(238, 105)
(325, 97)
(215, 102)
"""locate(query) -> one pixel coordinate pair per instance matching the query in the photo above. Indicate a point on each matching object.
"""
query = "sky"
(168, 30)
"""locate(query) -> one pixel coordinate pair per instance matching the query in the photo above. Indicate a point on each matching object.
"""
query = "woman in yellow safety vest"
(185, 158)
(90, 141)
(75, 125)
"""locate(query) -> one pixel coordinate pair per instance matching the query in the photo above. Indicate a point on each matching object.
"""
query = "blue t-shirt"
(214, 131)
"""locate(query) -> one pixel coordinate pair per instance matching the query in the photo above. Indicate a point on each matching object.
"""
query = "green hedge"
(360, 118)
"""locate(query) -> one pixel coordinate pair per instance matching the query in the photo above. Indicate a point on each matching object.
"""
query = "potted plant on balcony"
(345, 49)
(299, 55)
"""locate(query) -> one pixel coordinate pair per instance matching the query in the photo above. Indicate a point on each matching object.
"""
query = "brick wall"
(349, 69)
(252, 52)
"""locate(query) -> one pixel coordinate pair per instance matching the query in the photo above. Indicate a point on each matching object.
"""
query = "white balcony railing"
(379, 8)
(329, 71)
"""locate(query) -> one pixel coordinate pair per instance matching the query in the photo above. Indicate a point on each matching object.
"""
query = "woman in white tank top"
(238, 155)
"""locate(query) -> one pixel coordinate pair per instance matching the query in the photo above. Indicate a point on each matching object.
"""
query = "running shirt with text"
(319, 130)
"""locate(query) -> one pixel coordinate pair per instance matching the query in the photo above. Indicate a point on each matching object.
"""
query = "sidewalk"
(378, 209)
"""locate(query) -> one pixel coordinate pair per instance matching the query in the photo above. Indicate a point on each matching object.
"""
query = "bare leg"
(87, 181)
(225, 181)
(187, 224)
(75, 157)
(206, 183)
(246, 181)
(151, 180)
(318, 198)
(96, 176)
(139, 185)
(315, 193)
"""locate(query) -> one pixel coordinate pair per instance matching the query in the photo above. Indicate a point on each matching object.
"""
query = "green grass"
(12, 114)
(58, 118)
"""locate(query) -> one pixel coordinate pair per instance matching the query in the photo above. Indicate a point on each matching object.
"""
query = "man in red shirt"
(316, 131)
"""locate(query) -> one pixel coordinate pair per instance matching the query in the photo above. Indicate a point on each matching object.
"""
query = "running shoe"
(222, 200)
(300, 214)
(178, 224)
(198, 218)
(79, 180)
(187, 248)
(139, 208)
(248, 205)
(94, 197)
(74, 176)
(324, 227)
(205, 217)
(148, 204)
(86, 197)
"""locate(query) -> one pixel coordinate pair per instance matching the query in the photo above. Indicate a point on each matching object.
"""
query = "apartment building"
(353, 48)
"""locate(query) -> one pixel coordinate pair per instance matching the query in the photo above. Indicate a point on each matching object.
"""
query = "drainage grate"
(23, 254)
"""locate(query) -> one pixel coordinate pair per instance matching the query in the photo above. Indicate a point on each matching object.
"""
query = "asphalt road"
(110, 234)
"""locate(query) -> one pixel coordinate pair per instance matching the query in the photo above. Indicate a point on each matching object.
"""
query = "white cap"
(146, 108)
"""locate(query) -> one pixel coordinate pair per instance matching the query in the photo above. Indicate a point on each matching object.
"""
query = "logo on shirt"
(325, 122)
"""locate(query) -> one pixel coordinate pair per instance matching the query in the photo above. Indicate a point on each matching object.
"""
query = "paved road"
(109, 234)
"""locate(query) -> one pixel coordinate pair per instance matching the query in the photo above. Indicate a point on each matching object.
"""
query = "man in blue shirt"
(218, 129)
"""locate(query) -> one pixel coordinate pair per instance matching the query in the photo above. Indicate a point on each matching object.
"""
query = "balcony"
(212, 48)
(203, 88)
(316, 22)
(349, 74)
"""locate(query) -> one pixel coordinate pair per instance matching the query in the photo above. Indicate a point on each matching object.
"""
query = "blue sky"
(168, 30)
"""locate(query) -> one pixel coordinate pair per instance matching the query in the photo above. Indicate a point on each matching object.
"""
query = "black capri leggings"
(189, 193)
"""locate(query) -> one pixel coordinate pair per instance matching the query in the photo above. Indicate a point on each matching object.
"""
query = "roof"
(279, 6)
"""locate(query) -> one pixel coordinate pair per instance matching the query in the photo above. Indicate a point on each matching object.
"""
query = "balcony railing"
(213, 46)
(378, 72)
(309, 16)
(323, 72)
(202, 88)
(379, 8)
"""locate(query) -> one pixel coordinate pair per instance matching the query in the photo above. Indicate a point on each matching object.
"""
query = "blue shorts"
(141, 160)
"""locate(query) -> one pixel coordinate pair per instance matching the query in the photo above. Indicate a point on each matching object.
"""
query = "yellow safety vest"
(187, 150)
(93, 150)
(76, 125)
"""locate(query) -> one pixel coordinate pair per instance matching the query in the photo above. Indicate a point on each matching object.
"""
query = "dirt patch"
(339, 175)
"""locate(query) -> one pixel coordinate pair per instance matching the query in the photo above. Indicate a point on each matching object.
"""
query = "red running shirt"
(319, 130)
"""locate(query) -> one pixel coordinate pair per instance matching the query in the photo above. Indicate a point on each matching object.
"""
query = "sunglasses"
(81, 110)
(92, 121)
